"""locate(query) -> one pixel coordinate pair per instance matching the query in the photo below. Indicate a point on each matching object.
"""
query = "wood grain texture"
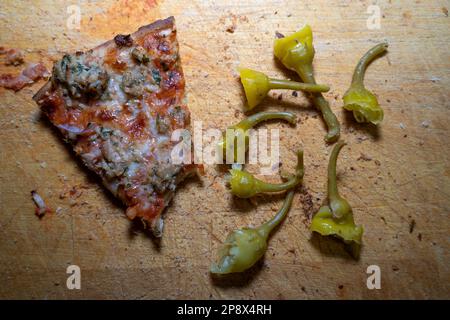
(406, 180)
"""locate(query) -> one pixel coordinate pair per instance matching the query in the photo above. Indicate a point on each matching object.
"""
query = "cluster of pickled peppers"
(336, 218)
(358, 99)
(236, 138)
(244, 247)
(296, 52)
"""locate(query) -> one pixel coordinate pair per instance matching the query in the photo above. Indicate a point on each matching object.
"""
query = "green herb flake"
(156, 76)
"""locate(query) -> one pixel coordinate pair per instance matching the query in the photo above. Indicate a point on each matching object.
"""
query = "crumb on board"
(231, 28)
(279, 35)
(361, 139)
(62, 177)
(13, 57)
(243, 18)
(232, 19)
(73, 193)
(364, 157)
(412, 225)
(32, 73)
(425, 123)
(41, 207)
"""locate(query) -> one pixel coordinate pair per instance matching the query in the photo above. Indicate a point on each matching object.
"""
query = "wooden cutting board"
(397, 176)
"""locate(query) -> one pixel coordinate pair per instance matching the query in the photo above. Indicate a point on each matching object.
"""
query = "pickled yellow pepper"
(296, 52)
(244, 247)
(245, 185)
(358, 99)
(237, 138)
(256, 86)
(336, 218)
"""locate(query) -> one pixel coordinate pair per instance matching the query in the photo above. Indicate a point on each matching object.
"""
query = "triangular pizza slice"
(118, 105)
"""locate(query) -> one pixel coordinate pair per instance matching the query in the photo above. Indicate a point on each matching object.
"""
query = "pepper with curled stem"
(358, 99)
(245, 185)
(337, 217)
(240, 131)
(296, 52)
(256, 86)
(244, 247)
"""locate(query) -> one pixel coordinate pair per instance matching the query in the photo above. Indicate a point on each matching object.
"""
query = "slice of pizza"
(118, 105)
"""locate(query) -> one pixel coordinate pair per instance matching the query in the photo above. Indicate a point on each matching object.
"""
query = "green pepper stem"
(333, 193)
(256, 118)
(305, 72)
(291, 183)
(295, 85)
(360, 69)
(267, 227)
